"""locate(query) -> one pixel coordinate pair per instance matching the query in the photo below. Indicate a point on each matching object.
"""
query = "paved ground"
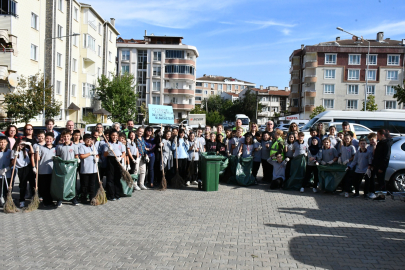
(234, 228)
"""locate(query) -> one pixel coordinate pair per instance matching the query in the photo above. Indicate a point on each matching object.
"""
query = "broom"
(9, 206)
(177, 179)
(125, 174)
(164, 182)
(101, 197)
(35, 200)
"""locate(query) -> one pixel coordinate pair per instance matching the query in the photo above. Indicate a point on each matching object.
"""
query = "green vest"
(274, 148)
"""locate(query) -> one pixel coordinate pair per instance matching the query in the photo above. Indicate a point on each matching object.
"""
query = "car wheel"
(398, 181)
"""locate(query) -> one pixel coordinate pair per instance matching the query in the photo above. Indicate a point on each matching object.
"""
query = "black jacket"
(382, 154)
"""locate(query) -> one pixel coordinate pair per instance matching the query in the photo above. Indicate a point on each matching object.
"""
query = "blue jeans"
(151, 173)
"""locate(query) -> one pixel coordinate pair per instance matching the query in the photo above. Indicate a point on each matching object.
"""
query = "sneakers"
(75, 202)
(59, 204)
(372, 195)
(380, 198)
(194, 183)
(342, 193)
(346, 194)
(302, 190)
(22, 204)
(315, 190)
(188, 183)
(199, 184)
(143, 187)
(136, 187)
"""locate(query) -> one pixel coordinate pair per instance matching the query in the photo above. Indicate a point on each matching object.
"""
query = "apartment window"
(88, 90)
(8, 7)
(198, 84)
(392, 75)
(75, 40)
(353, 89)
(274, 99)
(354, 59)
(212, 92)
(329, 73)
(156, 86)
(59, 59)
(58, 87)
(157, 56)
(236, 87)
(294, 102)
(174, 100)
(229, 87)
(76, 14)
(329, 103)
(125, 55)
(124, 69)
(393, 60)
(370, 89)
(372, 59)
(34, 52)
(205, 85)
(174, 54)
(60, 5)
(190, 101)
(73, 92)
(220, 87)
(330, 58)
(182, 69)
(198, 98)
(156, 71)
(198, 91)
(34, 21)
(389, 90)
(372, 75)
(110, 56)
(329, 89)
(351, 104)
(156, 100)
(99, 28)
(205, 92)
(212, 85)
(110, 35)
(89, 42)
(354, 74)
(390, 104)
(60, 31)
(99, 50)
(74, 65)
(142, 59)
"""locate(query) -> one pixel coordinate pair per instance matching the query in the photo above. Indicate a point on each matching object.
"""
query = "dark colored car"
(37, 129)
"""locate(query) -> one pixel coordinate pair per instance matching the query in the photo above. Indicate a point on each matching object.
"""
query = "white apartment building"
(32, 35)
(164, 69)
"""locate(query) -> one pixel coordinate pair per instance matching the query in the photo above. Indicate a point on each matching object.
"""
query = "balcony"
(294, 109)
(311, 64)
(295, 95)
(309, 107)
(265, 103)
(89, 55)
(183, 107)
(294, 67)
(188, 77)
(179, 61)
(7, 58)
(310, 93)
(310, 79)
(294, 81)
(171, 91)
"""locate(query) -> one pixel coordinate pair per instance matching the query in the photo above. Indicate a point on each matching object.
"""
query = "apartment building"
(164, 69)
(208, 85)
(333, 74)
(272, 100)
(33, 37)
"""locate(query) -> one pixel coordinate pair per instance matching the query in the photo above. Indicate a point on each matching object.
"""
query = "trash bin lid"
(212, 156)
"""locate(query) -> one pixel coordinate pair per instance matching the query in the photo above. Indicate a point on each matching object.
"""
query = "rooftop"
(215, 78)
(272, 92)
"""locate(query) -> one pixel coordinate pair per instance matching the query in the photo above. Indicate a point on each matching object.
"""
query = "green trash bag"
(63, 184)
(297, 173)
(241, 171)
(330, 176)
(223, 165)
(127, 191)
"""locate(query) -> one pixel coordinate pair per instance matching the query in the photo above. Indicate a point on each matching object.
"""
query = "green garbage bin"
(210, 168)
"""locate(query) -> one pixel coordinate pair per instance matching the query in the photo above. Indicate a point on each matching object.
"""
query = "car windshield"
(310, 123)
(245, 121)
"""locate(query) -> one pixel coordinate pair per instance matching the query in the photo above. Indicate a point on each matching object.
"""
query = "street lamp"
(367, 61)
(73, 35)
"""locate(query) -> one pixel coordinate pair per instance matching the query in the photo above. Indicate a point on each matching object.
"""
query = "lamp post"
(73, 35)
(367, 62)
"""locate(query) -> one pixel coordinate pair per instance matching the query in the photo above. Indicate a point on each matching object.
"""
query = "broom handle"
(12, 173)
(161, 153)
(98, 175)
(36, 177)
(177, 158)
(112, 150)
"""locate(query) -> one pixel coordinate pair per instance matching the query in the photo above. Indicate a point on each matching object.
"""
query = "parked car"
(91, 127)
(358, 129)
(283, 127)
(395, 173)
(37, 129)
(262, 128)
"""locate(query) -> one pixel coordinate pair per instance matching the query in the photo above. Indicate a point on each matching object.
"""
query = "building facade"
(164, 69)
(333, 74)
(34, 35)
(208, 85)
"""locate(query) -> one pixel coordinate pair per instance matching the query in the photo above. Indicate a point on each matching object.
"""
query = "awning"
(102, 112)
(73, 107)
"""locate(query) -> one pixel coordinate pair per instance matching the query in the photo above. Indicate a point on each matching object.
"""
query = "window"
(88, 90)
(390, 104)
(59, 59)
(294, 102)
(372, 59)
(198, 91)
(389, 90)
(329, 89)
(198, 98)
(212, 92)
(142, 59)
(74, 40)
(75, 14)
(174, 100)
(205, 85)
(392, 75)
(179, 69)
(99, 28)
(60, 31)
(110, 56)
(370, 89)
(198, 84)
(205, 92)
(34, 21)
(110, 35)
(351, 104)
(89, 42)
(155, 100)
(73, 93)
(354, 59)
(329, 103)
(8, 7)
(236, 87)
(156, 86)
(99, 50)
(174, 54)
(60, 5)
(274, 99)
(329, 74)
(393, 60)
(124, 69)
(354, 74)
(212, 85)
(156, 71)
(353, 89)
(74, 65)
(58, 87)
(190, 101)
(157, 56)
(228, 87)
(34, 52)
(125, 55)
(220, 87)
(330, 58)
(372, 75)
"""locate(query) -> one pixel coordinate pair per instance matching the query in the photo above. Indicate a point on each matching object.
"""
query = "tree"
(197, 110)
(317, 111)
(370, 105)
(214, 118)
(118, 96)
(400, 94)
(27, 101)
(143, 110)
(90, 118)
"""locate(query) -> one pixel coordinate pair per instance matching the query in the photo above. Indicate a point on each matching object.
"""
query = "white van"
(245, 120)
(392, 120)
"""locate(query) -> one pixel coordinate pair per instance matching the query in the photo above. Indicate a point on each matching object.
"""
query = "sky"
(252, 40)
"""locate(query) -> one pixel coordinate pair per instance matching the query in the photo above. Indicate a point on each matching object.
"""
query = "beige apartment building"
(164, 69)
(33, 35)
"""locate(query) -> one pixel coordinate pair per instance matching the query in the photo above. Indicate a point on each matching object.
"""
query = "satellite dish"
(13, 79)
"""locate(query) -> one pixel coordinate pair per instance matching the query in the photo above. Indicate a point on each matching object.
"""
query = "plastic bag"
(241, 170)
(127, 191)
(63, 184)
(330, 176)
(297, 173)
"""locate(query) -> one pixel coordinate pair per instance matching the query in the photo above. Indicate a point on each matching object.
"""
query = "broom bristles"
(164, 184)
(9, 206)
(177, 181)
(100, 197)
(34, 204)
(127, 177)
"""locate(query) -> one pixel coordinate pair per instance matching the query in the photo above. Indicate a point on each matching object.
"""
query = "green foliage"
(400, 94)
(317, 111)
(90, 118)
(118, 97)
(27, 101)
(371, 106)
(144, 111)
(197, 110)
(214, 118)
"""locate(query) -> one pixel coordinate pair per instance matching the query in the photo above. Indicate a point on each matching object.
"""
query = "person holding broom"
(144, 159)
(88, 169)
(5, 157)
(45, 167)
(180, 147)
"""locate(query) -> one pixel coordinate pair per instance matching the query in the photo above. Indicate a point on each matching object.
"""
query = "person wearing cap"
(346, 128)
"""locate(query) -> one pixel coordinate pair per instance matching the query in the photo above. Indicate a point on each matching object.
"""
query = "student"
(207, 129)
(167, 151)
(347, 151)
(211, 144)
(132, 153)
(369, 185)
(5, 171)
(77, 138)
(220, 130)
(175, 132)
(331, 136)
(257, 155)
(247, 147)
(339, 141)
(221, 147)
(278, 171)
(314, 136)
(21, 159)
(150, 146)
(99, 144)
(300, 147)
(41, 139)
(237, 142)
(289, 152)
(314, 156)
(46, 153)
(228, 141)
(141, 147)
(265, 153)
(180, 147)
(362, 159)
(77, 143)
(67, 151)
(123, 139)
(88, 171)
(200, 138)
(193, 155)
(329, 154)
